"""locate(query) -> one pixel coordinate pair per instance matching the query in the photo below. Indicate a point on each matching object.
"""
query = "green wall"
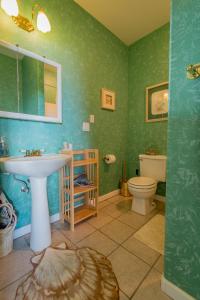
(148, 65)
(182, 251)
(91, 58)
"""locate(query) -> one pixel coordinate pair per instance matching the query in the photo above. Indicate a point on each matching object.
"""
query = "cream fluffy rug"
(152, 233)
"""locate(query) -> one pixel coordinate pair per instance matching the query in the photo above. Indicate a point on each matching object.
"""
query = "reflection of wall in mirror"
(10, 92)
(50, 109)
(50, 90)
(33, 86)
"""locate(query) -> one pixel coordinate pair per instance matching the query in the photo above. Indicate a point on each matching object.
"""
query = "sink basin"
(35, 166)
(38, 168)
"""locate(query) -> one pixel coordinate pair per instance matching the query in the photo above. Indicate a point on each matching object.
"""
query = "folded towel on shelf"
(82, 180)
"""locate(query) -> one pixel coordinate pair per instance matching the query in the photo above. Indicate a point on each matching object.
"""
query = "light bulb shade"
(43, 22)
(10, 7)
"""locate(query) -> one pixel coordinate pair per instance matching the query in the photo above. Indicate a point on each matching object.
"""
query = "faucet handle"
(27, 152)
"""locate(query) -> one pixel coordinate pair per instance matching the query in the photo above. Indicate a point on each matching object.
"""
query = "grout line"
(103, 224)
(120, 290)
(146, 275)
(6, 286)
(147, 263)
(141, 282)
(80, 239)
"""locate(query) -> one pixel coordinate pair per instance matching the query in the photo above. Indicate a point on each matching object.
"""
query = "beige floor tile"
(58, 237)
(116, 199)
(21, 243)
(80, 232)
(117, 231)
(150, 288)
(135, 220)
(99, 242)
(122, 296)
(14, 265)
(60, 225)
(152, 233)
(103, 204)
(160, 206)
(132, 219)
(100, 220)
(129, 270)
(141, 250)
(113, 210)
(9, 292)
(125, 205)
(159, 264)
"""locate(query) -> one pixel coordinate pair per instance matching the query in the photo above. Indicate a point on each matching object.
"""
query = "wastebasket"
(6, 234)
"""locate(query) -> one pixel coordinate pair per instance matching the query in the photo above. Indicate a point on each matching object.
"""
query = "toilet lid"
(142, 181)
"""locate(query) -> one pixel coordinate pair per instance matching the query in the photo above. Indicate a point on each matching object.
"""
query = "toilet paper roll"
(110, 159)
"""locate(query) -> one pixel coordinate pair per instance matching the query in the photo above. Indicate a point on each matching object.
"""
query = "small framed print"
(157, 102)
(107, 99)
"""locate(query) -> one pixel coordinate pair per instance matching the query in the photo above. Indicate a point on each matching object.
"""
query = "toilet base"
(143, 206)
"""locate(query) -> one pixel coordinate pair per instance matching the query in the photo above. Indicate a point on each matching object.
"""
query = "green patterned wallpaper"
(148, 65)
(91, 58)
(182, 251)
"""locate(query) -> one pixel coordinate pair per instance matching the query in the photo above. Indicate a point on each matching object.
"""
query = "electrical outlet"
(86, 126)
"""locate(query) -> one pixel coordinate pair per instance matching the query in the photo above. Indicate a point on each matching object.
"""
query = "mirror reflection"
(27, 85)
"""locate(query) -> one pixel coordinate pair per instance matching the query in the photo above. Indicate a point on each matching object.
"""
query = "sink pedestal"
(40, 223)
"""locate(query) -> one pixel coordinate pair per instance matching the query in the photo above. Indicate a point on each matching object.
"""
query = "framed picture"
(157, 102)
(107, 99)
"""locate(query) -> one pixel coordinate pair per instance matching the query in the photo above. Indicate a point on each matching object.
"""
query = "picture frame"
(107, 99)
(157, 102)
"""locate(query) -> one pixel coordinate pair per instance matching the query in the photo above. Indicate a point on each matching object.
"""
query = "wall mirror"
(30, 85)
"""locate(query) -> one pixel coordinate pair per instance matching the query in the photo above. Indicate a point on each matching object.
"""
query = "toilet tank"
(153, 166)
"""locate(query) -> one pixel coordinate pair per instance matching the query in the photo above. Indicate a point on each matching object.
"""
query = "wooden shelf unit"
(79, 202)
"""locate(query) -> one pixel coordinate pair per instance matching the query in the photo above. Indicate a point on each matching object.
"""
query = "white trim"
(27, 229)
(173, 291)
(21, 116)
(109, 195)
(160, 198)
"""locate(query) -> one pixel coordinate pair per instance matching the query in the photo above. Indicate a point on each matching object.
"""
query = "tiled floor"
(138, 268)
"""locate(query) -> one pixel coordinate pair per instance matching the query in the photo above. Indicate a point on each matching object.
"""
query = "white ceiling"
(129, 20)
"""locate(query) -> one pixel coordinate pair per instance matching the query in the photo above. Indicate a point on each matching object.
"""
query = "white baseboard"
(160, 198)
(109, 195)
(27, 229)
(173, 291)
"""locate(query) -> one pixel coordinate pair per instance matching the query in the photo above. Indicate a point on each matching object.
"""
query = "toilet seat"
(142, 182)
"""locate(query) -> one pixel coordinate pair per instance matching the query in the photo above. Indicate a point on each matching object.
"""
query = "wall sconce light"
(11, 8)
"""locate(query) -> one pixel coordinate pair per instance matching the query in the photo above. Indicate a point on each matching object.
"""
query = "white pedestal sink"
(37, 168)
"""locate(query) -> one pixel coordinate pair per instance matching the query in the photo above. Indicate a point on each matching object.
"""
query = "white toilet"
(143, 188)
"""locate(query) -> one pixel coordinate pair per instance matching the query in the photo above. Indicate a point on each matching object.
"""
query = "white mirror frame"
(21, 116)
